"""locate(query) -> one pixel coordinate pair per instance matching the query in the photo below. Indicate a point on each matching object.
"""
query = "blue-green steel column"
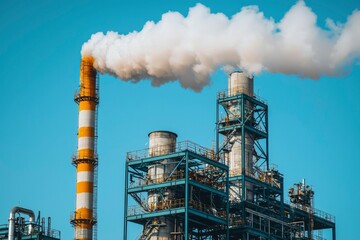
(227, 205)
(243, 149)
(267, 136)
(126, 198)
(217, 130)
(186, 233)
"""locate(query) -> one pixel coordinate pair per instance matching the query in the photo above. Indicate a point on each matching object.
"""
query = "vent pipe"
(15, 210)
(49, 227)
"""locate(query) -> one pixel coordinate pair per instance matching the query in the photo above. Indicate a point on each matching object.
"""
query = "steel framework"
(199, 207)
(260, 211)
(39, 231)
(213, 200)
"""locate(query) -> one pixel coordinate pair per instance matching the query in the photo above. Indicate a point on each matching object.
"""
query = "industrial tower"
(180, 190)
(186, 191)
(85, 161)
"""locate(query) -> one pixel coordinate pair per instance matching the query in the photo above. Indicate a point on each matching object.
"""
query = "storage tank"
(161, 143)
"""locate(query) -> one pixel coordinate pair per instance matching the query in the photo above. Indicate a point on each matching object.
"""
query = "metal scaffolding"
(232, 192)
(199, 207)
(261, 212)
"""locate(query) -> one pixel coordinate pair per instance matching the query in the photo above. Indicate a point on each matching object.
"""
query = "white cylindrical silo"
(161, 143)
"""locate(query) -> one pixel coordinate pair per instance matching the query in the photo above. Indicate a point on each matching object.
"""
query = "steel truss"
(200, 204)
(264, 215)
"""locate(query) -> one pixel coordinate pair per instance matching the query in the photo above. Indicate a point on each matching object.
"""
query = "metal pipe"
(43, 225)
(15, 210)
(49, 227)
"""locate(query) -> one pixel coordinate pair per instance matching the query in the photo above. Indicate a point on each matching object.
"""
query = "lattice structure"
(231, 192)
(198, 207)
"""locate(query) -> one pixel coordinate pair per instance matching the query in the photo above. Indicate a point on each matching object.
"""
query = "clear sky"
(314, 124)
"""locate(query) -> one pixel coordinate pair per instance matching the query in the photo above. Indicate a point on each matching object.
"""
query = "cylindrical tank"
(238, 83)
(161, 143)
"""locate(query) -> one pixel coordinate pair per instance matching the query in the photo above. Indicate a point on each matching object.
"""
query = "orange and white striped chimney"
(84, 217)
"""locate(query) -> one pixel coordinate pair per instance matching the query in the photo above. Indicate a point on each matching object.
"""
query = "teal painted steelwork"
(207, 188)
(148, 160)
(126, 199)
(186, 221)
(201, 201)
(156, 186)
(267, 204)
(39, 232)
(173, 211)
(207, 216)
(187, 183)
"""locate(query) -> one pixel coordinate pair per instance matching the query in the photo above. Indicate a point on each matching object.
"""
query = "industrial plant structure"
(182, 190)
(20, 228)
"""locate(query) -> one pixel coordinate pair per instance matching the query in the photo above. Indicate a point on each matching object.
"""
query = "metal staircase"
(148, 230)
(141, 200)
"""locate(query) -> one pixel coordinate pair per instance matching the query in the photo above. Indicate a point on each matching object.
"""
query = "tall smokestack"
(238, 83)
(84, 218)
(160, 143)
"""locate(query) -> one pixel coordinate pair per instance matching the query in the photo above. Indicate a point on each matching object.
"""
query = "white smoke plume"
(189, 48)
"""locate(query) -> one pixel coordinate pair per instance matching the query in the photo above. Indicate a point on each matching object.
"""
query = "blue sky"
(314, 124)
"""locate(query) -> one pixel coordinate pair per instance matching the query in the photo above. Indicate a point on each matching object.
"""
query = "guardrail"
(314, 211)
(237, 91)
(36, 229)
(179, 175)
(171, 148)
(176, 203)
(263, 176)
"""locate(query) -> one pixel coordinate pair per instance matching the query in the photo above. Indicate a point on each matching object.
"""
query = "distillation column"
(239, 83)
(86, 159)
(161, 143)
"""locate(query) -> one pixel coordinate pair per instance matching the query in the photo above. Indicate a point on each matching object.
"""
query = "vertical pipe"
(86, 158)
(49, 227)
(15, 210)
(43, 225)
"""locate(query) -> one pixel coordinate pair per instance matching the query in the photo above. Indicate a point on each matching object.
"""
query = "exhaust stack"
(238, 83)
(85, 161)
(160, 143)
